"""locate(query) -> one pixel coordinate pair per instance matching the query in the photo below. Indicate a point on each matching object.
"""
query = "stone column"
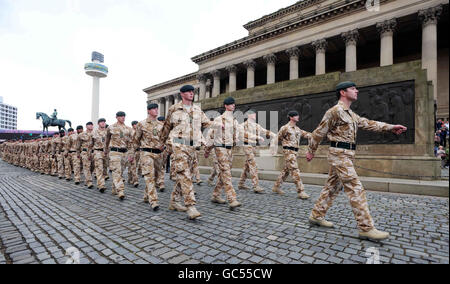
(429, 19)
(270, 59)
(208, 88)
(161, 106)
(386, 30)
(351, 40)
(232, 77)
(321, 47)
(216, 84)
(167, 106)
(177, 98)
(294, 54)
(202, 85)
(251, 65)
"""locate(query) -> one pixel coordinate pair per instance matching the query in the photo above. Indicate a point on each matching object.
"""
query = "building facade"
(8, 116)
(313, 37)
(294, 57)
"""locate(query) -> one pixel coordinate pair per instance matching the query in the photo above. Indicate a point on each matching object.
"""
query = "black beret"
(344, 85)
(89, 123)
(152, 106)
(187, 88)
(229, 101)
(79, 127)
(293, 113)
(120, 114)
(134, 122)
(161, 118)
(70, 129)
(101, 120)
(61, 132)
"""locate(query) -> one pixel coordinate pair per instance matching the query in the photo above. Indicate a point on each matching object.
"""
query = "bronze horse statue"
(47, 121)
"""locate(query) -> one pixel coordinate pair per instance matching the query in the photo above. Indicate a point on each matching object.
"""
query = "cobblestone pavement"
(42, 216)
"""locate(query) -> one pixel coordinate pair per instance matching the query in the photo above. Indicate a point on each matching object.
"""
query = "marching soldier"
(59, 149)
(132, 166)
(182, 130)
(290, 136)
(99, 143)
(146, 139)
(74, 155)
(118, 139)
(340, 125)
(67, 163)
(215, 167)
(227, 133)
(250, 167)
(53, 151)
(85, 146)
(160, 164)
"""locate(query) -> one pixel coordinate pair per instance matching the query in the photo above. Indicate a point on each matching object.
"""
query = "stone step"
(437, 188)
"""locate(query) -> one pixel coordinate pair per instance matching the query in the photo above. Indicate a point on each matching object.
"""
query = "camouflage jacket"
(340, 124)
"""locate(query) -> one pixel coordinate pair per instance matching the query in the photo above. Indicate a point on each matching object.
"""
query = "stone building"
(295, 56)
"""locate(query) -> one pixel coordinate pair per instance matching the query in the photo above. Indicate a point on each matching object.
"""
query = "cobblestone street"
(42, 216)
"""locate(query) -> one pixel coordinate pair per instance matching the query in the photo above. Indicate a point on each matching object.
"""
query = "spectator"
(446, 124)
(438, 124)
(437, 139)
(446, 159)
(443, 136)
(441, 155)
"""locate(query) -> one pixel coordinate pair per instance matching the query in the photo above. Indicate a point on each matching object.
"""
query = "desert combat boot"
(374, 235)
(321, 223)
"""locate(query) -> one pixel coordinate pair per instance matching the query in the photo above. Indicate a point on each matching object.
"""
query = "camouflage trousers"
(132, 169)
(149, 163)
(76, 166)
(117, 161)
(172, 169)
(86, 158)
(60, 165)
(250, 167)
(342, 174)
(195, 168)
(183, 158)
(100, 168)
(290, 168)
(54, 165)
(225, 160)
(159, 172)
(215, 167)
(137, 158)
(44, 164)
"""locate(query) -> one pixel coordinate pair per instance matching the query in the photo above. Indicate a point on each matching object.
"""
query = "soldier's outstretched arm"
(377, 126)
(107, 140)
(319, 133)
(372, 125)
(167, 127)
(137, 137)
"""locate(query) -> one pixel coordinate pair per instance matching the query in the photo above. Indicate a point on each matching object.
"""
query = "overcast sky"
(44, 45)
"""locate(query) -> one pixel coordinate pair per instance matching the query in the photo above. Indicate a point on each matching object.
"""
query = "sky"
(44, 45)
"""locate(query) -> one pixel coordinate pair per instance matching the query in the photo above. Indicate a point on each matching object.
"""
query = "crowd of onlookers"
(441, 142)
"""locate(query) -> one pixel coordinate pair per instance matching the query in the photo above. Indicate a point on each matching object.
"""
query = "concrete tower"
(97, 71)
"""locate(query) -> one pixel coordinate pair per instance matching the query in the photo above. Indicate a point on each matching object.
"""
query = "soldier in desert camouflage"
(290, 135)
(340, 126)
